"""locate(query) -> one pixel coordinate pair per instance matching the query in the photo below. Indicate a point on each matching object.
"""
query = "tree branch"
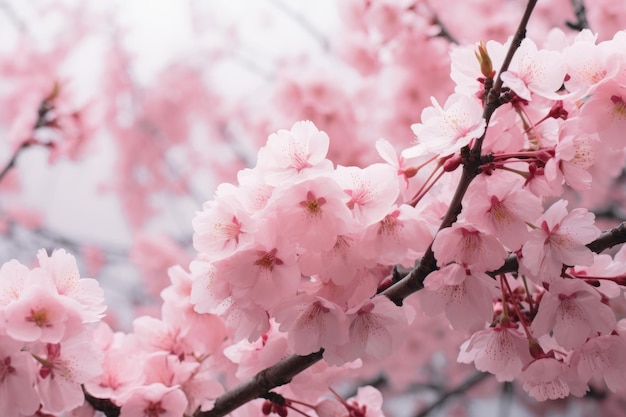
(264, 381)
(13, 159)
(460, 389)
(581, 16)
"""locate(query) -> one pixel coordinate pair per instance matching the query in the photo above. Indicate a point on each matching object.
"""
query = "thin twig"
(13, 160)
(304, 24)
(459, 389)
(13, 17)
(581, 16)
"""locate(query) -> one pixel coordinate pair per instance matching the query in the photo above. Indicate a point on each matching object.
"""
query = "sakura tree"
(334, 269)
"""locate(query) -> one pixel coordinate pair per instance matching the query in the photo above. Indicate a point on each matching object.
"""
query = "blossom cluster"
(46, 349)
(297, 257)
(308, 246)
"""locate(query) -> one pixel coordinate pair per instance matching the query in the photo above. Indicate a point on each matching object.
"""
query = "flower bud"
(486, 67)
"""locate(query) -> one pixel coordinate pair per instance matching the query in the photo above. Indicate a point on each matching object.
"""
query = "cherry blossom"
(445, 130)
(155, 400)
(503, 351)
(560, 239)
(472, 248)
(464, 296)
(567, 310)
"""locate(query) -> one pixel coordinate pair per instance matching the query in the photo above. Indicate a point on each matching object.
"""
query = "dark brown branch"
(261, 383)
(581, 16)
(104, 405)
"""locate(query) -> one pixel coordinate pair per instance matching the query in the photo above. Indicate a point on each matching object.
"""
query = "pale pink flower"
(503, 351)
(253, 357)
(377, 325)
(202, 389)
(446, 130)
(295, 153)
(17, 378)
(65, 367)
(40, 315)
(466, 245)
(221, 227)
(602, 357)
(466, 298)
(167, 369)
(341, 263)
(262, 273)
(312, 323)
(154, 400)
(604, 112)
(122, 370)
(13, 280)
(62, 268)
(207, 292)
(559, 240)
(157, 335)
(405, 167)
(313, 213)
(371, 191)
(588, 64)
(390, 240)
(603, 266)
(531, 71)
(368, 402)
(550, 379)
(501, 207)
(575, 155)
(573, 311)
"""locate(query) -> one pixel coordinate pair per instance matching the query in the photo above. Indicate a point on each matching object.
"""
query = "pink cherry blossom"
(575, 155)
(531, 71)
(503, 351)
(376, 327)
(464, 244)
(371, 191)
(340, 264)
(62, 268)
(13, 280)
(400, 231)
(550, 379)
(64, 367)
(154, 400)
(17, 378)
(313, 213)
(446, 130)
(465, 297)
(573, 311)
(262, 273)
(39, 315)
(602, 357)
(500, 207)
(605, 112)
(298, 152)
(559, 240)
(588, 64)
(312, 323)
(221, 227)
